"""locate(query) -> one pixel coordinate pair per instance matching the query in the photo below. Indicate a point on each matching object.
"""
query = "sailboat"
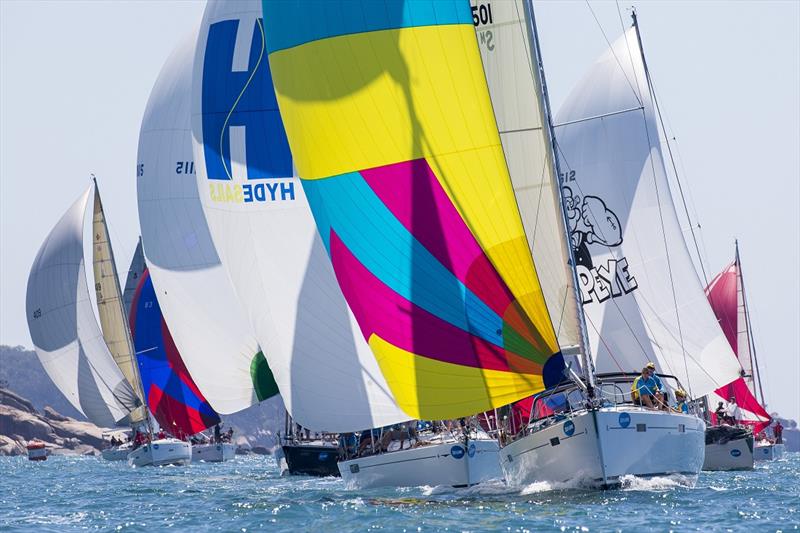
(263, 229)
(93, 365)
(205, 320)
(402, 164)
(640, 297)
(64, 330)
(732, 448)
(173, 398)
(308, 453)
(116, 332)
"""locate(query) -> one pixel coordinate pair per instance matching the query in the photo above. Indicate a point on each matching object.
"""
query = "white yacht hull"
(448, 463)
(116, 453)
(213, 453)
(768, 452)
(598, 448)
(161, 452)
(732, 455)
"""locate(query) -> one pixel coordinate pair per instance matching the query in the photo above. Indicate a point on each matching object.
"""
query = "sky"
(75, 78)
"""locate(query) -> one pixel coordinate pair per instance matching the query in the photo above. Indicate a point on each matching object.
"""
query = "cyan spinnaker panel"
(172, 396)
(389, 120)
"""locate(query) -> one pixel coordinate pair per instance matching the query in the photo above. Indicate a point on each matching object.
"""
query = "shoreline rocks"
(20, 423)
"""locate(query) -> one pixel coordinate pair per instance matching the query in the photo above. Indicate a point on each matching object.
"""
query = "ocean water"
(248, 494)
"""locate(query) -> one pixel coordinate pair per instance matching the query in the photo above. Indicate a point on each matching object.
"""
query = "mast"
(124, 356)
(547, 121)
(748, 326)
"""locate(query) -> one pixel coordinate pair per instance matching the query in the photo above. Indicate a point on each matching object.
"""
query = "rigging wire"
(678, 180)
(660, 210)
(608, 42)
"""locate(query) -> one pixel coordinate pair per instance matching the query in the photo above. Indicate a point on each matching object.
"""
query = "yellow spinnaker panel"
(380, 123)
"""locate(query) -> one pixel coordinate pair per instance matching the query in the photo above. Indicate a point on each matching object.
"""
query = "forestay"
(113, 318)
(641, 294)
(505, 46)
(206, 320)
(64, 329)
(390, 123)
(263, 230)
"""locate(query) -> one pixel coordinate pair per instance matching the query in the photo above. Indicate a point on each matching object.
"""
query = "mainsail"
(205, 319)
(266, 238)
(63, 327)
(642, 297)
(113, 319)
(173, 398)
(502, 29)
(726, 296)
(390, 123)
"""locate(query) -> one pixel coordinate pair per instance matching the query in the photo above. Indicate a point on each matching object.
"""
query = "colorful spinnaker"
(642, 297)
(206, 321)
(175, 401)
(389, 119)
(64, 329)
(264, 233)
(726, 296)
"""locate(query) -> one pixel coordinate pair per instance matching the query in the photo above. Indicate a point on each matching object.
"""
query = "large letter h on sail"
(243, 135)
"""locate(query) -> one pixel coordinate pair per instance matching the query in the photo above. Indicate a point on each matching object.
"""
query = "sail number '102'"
(482, 14)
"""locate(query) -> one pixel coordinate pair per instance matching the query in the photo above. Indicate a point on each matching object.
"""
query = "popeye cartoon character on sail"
(590, 222)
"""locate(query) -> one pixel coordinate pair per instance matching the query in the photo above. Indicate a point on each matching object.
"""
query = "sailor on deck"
(645, 391)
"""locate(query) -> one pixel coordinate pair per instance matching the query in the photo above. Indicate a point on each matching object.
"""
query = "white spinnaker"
(327, 374)
(64, 329)
(642, 297)
(516, 98)
(198, 302)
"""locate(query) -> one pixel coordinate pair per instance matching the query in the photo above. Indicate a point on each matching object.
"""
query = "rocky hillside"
(21, 423)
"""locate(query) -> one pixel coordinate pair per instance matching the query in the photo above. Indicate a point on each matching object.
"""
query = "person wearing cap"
(645, 390)
(652, 366)
(680, 397)
(661, 389)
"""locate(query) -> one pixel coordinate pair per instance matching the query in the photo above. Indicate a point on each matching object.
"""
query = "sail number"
(184, 167)
(140, 170)
(37, 313)
(567, 176)
(482, 14)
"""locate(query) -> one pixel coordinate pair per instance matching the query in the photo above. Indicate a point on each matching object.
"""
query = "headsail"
(135, 271)
(264, 233)
(642, 297)
(205, 319)
(726, 297)
(390, 123)
(113, 318)
(63, 327)
(502, 32)
(172, 396)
